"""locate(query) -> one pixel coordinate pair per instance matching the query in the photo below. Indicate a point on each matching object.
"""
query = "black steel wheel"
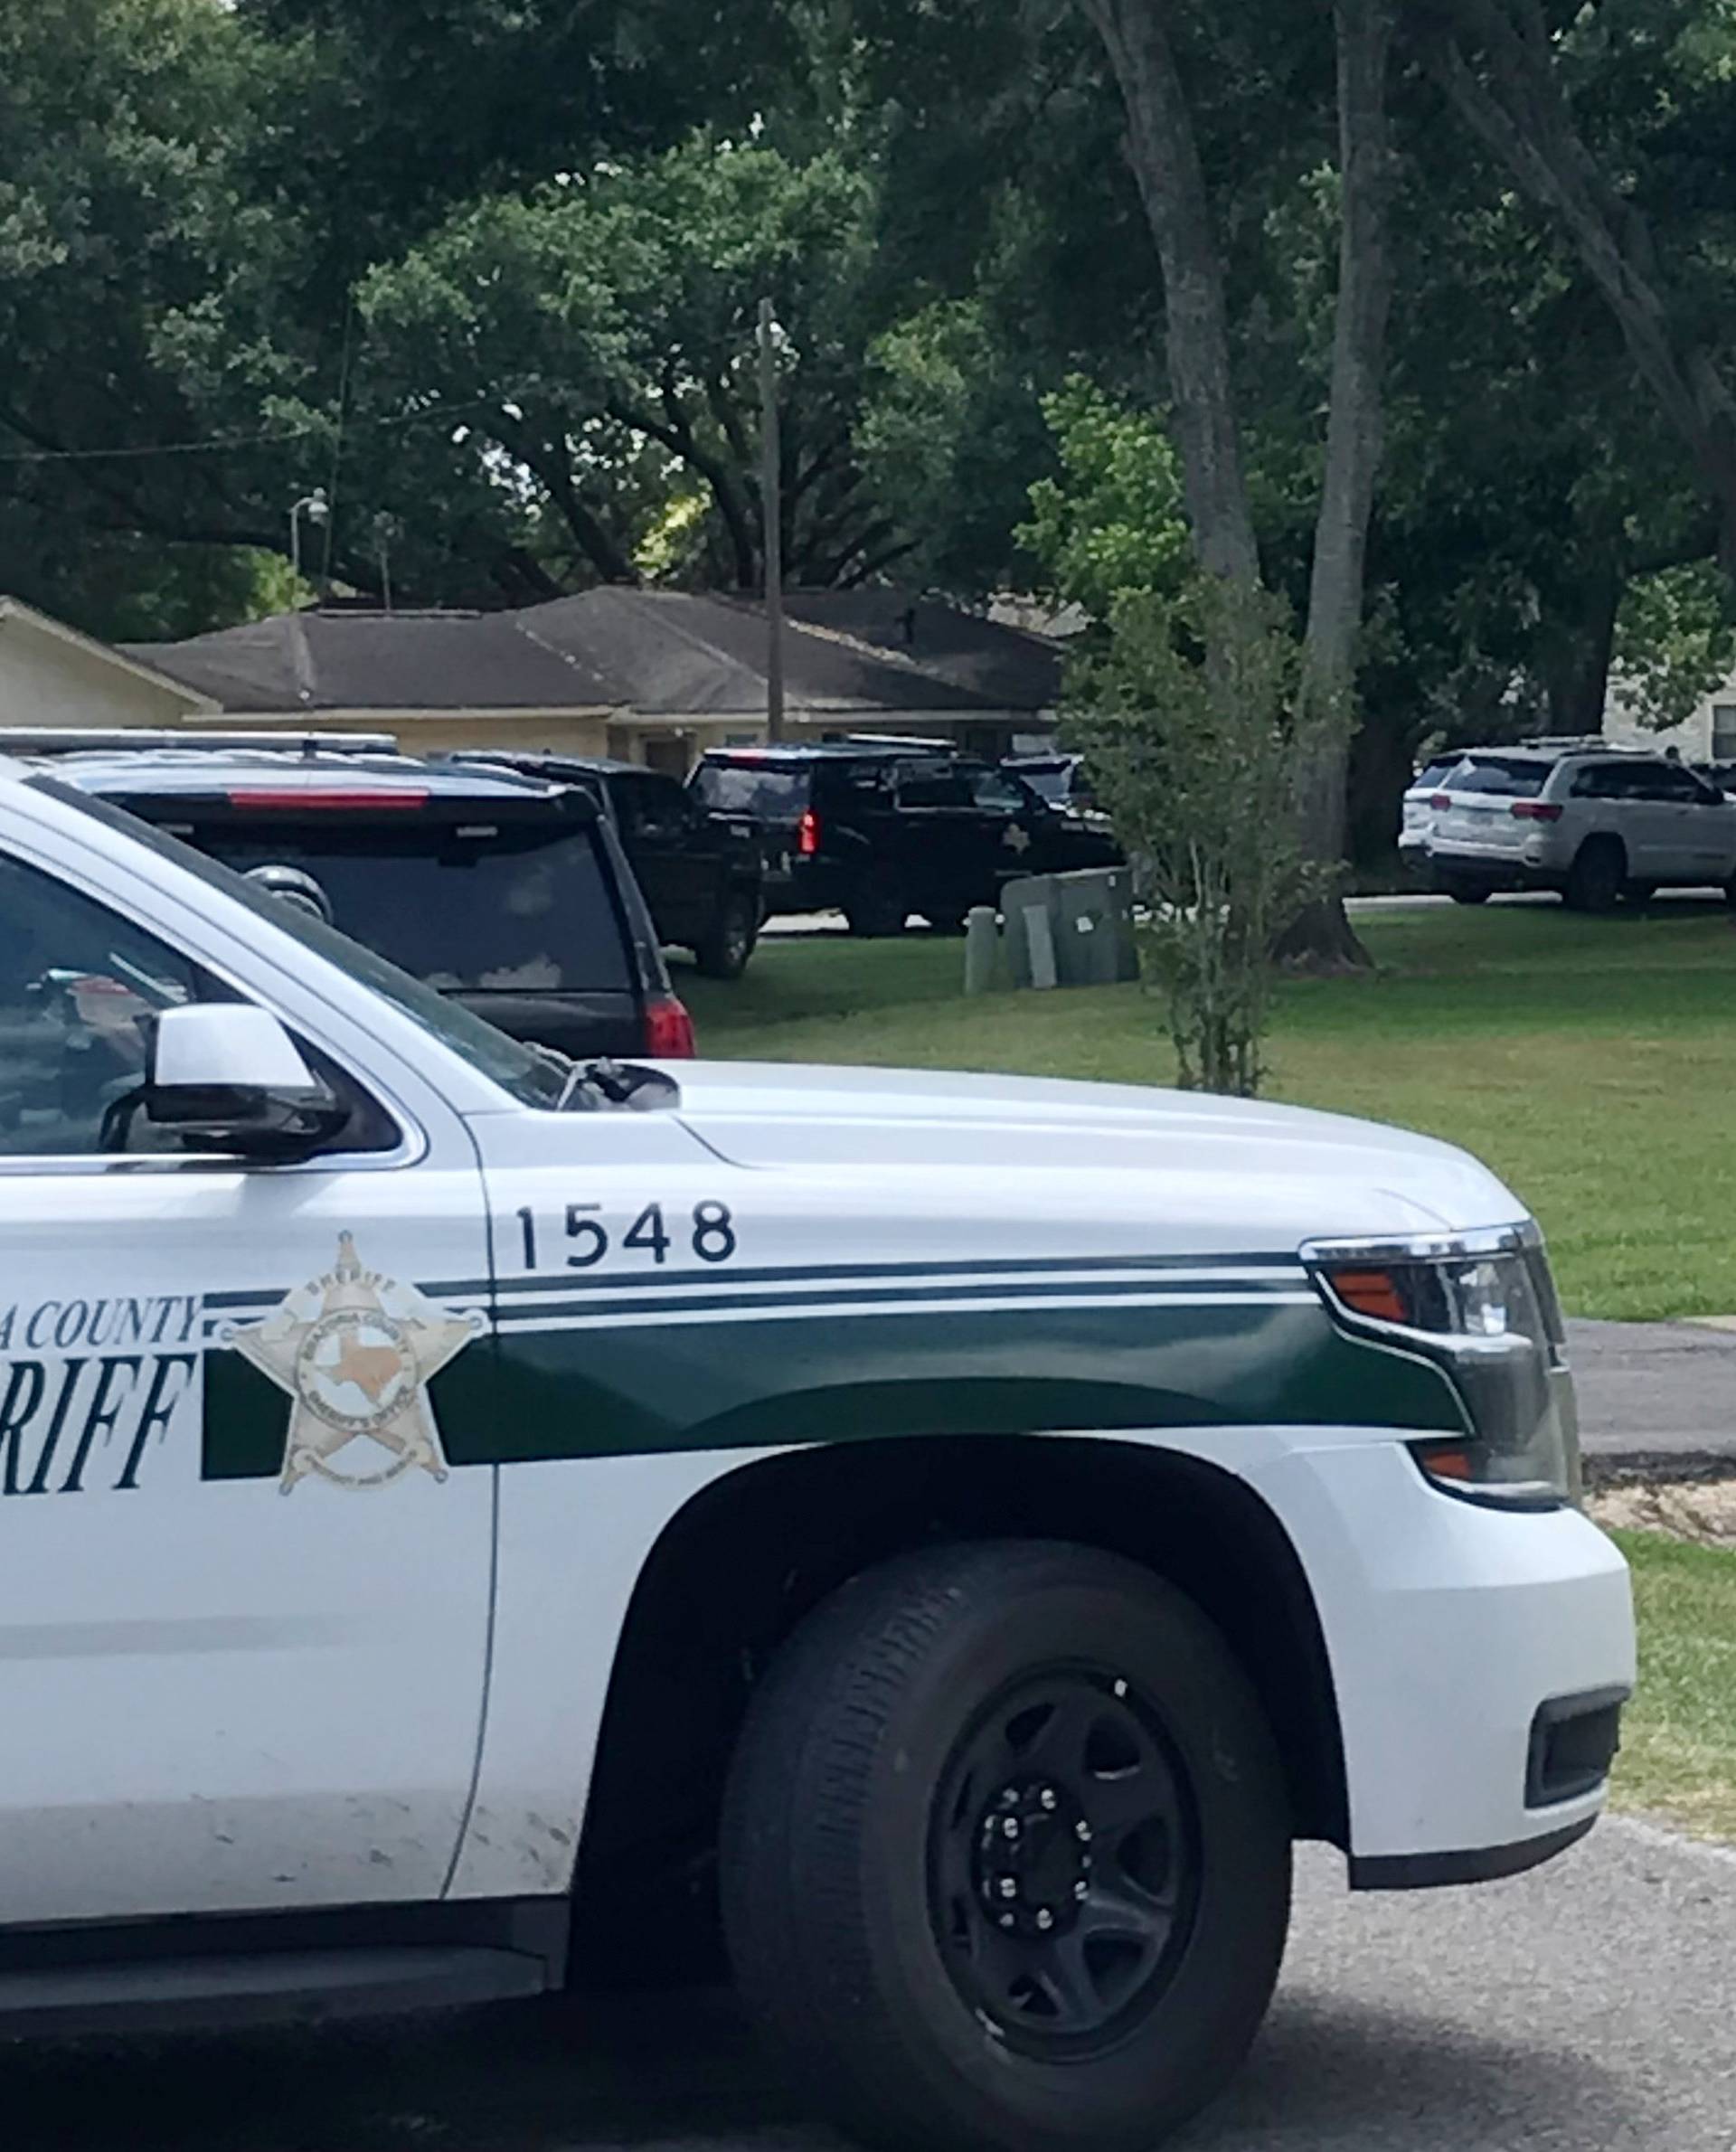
(1064, 1873)
(1004, 1858)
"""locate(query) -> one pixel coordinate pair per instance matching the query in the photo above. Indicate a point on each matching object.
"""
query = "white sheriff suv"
(973, 1526)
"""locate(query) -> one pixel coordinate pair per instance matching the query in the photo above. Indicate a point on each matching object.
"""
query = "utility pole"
(771, 483)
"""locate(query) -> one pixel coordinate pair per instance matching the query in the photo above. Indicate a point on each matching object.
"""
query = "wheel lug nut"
(1082, 1832)
(1082, 1889)
(1006, 1920)
(1048, 1798)
(1011, 1826)
(1009, 1888)
(1045, 1918)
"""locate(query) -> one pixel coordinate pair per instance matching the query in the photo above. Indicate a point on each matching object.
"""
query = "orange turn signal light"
(1373, 1293)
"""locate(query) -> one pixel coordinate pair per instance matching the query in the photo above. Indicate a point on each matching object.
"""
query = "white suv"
(1596, 822)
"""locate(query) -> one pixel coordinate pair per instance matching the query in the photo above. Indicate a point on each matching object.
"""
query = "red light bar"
(321, 797)
(1535, 810)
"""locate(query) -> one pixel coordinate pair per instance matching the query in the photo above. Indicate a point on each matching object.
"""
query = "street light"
(317, 509)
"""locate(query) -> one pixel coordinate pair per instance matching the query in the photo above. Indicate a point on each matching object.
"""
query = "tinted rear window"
(525, 909)
(1052, 783)
(752, 789)
(1435, 774)
(1511, 778)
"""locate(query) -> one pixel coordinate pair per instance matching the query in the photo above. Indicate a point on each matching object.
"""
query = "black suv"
(880, 831)
(703, 875)
(510, 895)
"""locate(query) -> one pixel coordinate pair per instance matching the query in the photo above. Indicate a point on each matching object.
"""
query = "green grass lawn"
(1678, 1756)
(1589, 1062)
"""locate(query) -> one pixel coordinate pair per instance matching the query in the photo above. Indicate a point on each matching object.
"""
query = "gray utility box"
(1070, 930)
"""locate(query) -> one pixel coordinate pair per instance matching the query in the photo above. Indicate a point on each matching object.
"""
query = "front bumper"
(1459, 1635)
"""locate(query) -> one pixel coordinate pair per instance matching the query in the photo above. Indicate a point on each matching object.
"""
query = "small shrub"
(1187, 715)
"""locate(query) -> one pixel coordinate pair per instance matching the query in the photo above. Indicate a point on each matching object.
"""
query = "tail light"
(807, 834)
(668, 1029)
(1536, 810)
(1440, 799)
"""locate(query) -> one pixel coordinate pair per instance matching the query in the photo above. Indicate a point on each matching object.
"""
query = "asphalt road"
(1656, 1390)
(1588, 2004)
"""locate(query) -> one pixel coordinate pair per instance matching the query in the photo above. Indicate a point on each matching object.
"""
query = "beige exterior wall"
(440, 732)
(675, 744)
(49, 679)
(1709, 735)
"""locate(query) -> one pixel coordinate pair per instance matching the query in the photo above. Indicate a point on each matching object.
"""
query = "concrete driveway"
(1588, 2005)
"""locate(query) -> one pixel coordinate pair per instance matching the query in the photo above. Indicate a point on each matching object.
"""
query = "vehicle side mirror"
(228, 1077)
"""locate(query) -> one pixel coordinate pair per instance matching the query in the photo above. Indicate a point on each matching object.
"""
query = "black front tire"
(861, 1919)
(725, 952)
(1468, 893)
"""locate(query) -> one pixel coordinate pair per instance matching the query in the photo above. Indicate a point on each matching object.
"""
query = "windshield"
(532, 1076)
(752, 789)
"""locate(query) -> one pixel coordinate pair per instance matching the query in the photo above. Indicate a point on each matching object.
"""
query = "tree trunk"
(1382, 758)
(1522, 115)
(1578, 651)
(1322, 937)
(1164, 155)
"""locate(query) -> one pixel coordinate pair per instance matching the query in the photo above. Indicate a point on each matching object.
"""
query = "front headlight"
(1483, 1307)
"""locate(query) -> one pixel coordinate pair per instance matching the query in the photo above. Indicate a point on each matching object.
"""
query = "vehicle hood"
(1199, 1161)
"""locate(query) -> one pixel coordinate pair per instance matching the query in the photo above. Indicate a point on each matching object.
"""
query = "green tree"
(1111, 525)
(612, 316)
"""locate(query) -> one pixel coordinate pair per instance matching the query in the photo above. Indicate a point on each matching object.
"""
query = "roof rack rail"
(947, 746)
(83, 740)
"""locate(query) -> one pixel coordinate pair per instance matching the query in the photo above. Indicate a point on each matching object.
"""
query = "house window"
(1723, 731)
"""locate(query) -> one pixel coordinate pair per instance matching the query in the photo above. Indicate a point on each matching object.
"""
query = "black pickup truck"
(703, 875)
(878, 830)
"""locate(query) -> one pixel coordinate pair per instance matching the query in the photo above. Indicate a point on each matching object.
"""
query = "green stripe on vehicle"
(761, 1379)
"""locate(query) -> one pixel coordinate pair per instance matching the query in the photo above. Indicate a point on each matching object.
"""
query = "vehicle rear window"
(1515, 777)
(1049, 780)
(522, 909)
(752, 789)
(1435, 774)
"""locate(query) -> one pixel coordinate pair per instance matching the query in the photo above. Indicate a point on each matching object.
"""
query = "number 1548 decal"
(707, 1233)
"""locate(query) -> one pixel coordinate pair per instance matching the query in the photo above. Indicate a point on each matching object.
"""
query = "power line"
(216, 442)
